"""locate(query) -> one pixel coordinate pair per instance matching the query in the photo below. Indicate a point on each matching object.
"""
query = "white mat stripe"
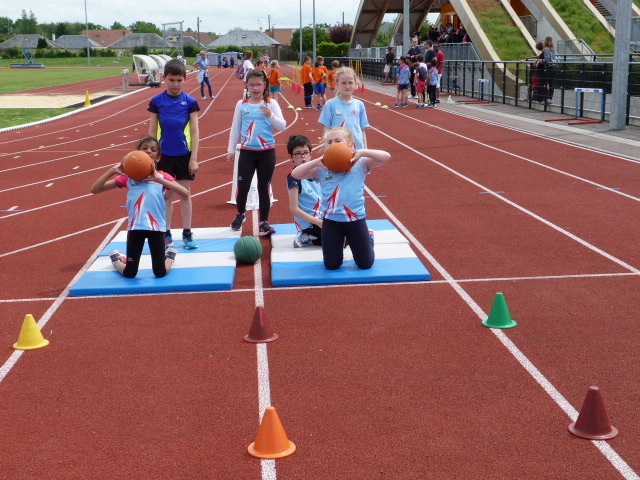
(185, 260)
(314, 253)
(381, 236)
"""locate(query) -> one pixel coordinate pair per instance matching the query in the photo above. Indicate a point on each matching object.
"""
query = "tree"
(340, 33)
(307, 38)
(144, 27)
(63, 28)
(117, 26)
(27, 23)
(6, 26)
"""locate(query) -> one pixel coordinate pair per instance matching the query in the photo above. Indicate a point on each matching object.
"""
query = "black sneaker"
(236, 225)
(171, 253)
(265, 229)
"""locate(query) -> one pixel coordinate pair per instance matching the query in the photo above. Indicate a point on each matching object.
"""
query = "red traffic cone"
(272, 441)
(593, 421)
(261, 331)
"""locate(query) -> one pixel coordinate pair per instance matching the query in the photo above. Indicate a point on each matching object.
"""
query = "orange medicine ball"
(137, 165)
(337, 157)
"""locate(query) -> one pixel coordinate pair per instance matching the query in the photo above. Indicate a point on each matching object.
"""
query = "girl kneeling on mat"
(147, 213)
(343, 205)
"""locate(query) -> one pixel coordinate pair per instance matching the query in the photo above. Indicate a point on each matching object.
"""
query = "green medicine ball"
(247, 250)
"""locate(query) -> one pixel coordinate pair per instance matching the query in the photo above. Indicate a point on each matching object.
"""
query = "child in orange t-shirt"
(274, 80)
(319, 85)
(307, 82)
(331, 77)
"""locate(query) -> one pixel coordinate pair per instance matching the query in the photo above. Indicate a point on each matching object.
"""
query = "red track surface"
(377, 381)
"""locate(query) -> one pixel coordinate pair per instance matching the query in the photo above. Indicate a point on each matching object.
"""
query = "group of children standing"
(328, 207)
(426, 81)
(315, 81)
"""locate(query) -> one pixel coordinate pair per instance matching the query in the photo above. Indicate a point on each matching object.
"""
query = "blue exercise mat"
(395, 260)
(210, 267)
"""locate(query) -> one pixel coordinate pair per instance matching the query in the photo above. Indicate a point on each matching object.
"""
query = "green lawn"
(21, 79)
(54, 73)
(11, 117)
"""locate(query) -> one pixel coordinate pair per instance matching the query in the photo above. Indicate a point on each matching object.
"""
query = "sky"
(216, 16)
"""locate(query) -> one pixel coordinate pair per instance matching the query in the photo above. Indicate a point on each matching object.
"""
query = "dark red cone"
(593, 421)
(261, 331)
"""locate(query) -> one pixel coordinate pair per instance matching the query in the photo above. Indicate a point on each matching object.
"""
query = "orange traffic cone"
(30, 336)
(272, 441)
(593, 421)
(261, 331)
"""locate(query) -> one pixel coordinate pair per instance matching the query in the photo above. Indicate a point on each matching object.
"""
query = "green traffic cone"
(499, 316)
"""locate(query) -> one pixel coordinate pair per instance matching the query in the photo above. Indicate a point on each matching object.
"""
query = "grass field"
(58, 71)
(11, 117)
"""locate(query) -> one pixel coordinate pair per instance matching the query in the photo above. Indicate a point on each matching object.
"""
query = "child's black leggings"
(263, 163)
(135, 243)
(357, 233)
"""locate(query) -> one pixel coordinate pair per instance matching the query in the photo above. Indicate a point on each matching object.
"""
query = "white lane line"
(577, 239)
(610, 454)
(15, 356)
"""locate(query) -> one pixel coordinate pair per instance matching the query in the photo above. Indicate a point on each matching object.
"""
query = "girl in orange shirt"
(274, 80)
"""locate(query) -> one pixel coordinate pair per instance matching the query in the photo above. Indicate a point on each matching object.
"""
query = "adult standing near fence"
(550, 67)
(389, 60)
(412, 56)
(202, 64)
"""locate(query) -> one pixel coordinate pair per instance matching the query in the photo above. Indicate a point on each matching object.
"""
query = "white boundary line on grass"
(610, 454)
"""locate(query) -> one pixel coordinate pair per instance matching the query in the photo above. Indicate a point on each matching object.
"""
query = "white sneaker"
(302, 239)
(204, 98)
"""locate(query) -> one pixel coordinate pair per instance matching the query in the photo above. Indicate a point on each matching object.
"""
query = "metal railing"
(509, 83)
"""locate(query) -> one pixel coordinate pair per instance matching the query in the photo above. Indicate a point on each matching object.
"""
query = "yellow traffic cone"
(30, 336)
(272, 441)
(87, 100)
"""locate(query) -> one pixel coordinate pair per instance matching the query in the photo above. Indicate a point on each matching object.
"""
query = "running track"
(392, 381)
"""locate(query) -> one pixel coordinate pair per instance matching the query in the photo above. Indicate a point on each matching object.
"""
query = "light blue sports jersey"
(257, 131)
(343, 193)
(353, 116)
(308, 199)
(145, 203)
(403, 75)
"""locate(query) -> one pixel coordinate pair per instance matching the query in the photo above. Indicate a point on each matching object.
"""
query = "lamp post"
(86, 24)
(301, 61)
(314, 31)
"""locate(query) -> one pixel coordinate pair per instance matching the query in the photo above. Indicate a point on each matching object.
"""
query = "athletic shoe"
(397, 105)
(265, 229)
(437, 100)
(168, 240)
(404, 105)
(213, 97)
(371, 235)
(301, 240)
(422, 105)
(236, 225)
(171, 254)
(116, 256)
(189, 242)
(309, 106)
(549, 102)
(204, 98)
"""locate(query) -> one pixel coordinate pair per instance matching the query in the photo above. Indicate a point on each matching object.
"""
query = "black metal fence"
(508, 82)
